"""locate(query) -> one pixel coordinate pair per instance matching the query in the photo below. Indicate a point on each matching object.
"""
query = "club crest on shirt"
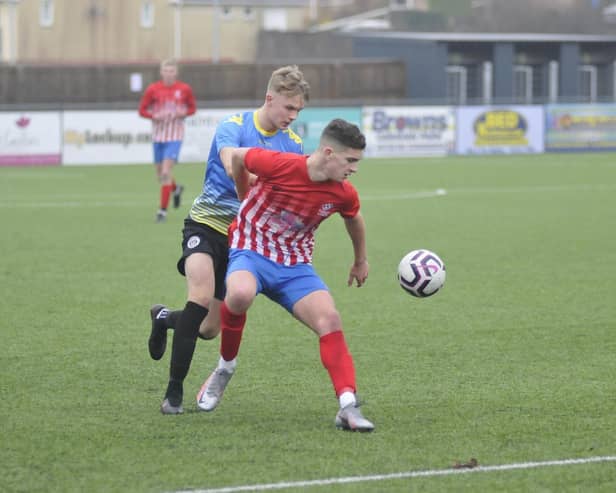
(284, 221)
(324, 210)
(193, 242)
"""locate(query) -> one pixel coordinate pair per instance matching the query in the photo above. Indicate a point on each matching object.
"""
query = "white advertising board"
(400, 131)
(30, 137)
(500, 130)
(199, 132)
(123, 137)
(106, 137)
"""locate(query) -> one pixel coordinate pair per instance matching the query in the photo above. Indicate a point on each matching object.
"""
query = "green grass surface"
(513, 361)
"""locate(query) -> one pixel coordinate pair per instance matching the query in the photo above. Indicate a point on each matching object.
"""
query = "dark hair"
(344, 133)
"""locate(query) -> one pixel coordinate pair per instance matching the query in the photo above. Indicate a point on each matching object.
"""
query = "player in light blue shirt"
(204, 246)
(218, 203)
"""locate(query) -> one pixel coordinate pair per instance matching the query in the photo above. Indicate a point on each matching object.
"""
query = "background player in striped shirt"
(271, 245)
(167, 102)
(205, 245)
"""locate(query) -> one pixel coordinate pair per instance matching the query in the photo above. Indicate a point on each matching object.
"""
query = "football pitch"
(512, 363)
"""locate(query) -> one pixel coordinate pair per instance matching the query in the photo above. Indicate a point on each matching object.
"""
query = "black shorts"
(200, 238)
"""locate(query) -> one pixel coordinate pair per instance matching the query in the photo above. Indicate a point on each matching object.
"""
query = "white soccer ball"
(421, 273)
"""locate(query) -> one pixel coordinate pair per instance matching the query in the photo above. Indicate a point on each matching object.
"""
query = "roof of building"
(487, 37)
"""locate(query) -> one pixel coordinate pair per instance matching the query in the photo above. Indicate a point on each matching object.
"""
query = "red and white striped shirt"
(160, 99)
(284, 208)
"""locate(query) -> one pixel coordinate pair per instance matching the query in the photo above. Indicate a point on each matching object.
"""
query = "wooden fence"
(352, 80)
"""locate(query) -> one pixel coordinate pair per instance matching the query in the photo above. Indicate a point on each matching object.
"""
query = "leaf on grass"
(466, 465)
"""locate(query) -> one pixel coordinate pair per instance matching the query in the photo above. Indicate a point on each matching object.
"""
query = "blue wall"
(425, 62)
(568, 78)
(502, 63)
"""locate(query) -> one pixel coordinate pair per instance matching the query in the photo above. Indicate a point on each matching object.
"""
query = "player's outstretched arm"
(233, 160)
(356, 227)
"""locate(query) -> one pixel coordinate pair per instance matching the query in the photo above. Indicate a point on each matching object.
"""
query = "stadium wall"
(121, 86)
(122, 137)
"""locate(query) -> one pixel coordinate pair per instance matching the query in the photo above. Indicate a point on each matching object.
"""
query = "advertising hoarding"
(312, 121)
(106, 137)
(200, 129)
(500, 130)
(30, 138)
(580, 127)
(400, 131)
(123, 137)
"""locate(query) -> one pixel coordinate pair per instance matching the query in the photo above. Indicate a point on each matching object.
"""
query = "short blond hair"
(169, 62)
(289, 80)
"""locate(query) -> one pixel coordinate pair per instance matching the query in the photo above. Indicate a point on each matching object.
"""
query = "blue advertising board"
(312, 121)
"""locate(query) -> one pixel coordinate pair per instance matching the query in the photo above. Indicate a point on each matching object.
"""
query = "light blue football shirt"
(218, 203)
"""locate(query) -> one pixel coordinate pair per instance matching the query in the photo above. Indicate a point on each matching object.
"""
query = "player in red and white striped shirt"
(167, 103)
(272, 240)
(280, 224)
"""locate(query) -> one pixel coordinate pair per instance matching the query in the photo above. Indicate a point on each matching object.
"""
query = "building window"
(46, 13)
(225, 13)
(248, 13)
(275, 20)
(147, 13)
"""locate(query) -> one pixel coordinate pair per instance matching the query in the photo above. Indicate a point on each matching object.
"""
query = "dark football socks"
(172, 320)
(184, 340)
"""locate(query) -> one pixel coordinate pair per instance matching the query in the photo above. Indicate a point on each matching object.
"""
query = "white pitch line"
(66, 204)
(38, 176)
(439, 192)
(580, 187)
(405, 196)
(402, 475)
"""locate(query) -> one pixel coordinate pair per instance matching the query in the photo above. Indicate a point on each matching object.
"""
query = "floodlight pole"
(216, 32)
(314, 10)
(177, 30)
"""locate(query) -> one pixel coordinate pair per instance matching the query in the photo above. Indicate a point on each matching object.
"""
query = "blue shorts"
(283, 284)
(167, 150)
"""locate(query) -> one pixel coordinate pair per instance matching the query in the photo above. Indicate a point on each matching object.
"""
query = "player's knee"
(208, 331)
(199, 298)
(329, 322)
(240, 299)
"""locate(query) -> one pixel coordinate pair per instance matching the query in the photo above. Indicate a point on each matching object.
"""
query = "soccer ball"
(421, 273)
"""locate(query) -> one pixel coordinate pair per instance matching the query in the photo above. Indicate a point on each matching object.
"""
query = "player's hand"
(359, 273)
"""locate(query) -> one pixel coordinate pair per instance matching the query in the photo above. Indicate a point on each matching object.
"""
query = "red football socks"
(232, 326)
(338, 361)
(165, 192)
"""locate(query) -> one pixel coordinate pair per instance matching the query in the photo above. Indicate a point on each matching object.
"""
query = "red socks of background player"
(338, 361)
(165, 193)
